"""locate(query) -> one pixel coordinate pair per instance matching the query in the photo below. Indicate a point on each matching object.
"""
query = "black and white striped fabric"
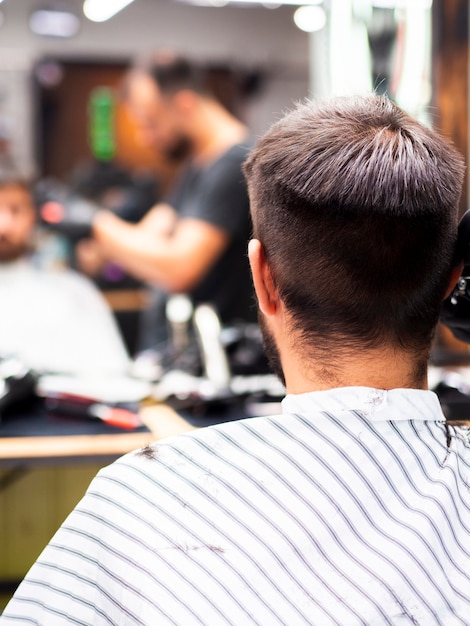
(348, 509)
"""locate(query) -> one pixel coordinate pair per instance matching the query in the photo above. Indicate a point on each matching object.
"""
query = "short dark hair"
(11, 176)
(356, 205)
(225, 83)
(173, 73)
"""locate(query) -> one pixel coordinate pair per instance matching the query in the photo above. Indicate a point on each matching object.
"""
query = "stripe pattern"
(348, 509)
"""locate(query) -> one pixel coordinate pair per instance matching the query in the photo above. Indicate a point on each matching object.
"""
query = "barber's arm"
(175, 258)
(90, 256)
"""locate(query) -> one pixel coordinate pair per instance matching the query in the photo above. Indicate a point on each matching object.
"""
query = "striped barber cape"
(350, 509)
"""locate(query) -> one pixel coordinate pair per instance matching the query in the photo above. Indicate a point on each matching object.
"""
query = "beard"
(10, 251)
(271, 350)
(179, 150)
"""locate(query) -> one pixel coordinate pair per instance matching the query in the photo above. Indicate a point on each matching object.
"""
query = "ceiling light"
(209, 3)
(255, 2)
(54, 23)
(310, 18)
(402, 4)
(292, 2)
(206, 3)
(102, 10)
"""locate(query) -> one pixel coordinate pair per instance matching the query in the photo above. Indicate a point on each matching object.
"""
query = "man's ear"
(454, 277)
(266, 291)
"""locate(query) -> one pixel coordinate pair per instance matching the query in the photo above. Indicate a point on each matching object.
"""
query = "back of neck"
(383, 368)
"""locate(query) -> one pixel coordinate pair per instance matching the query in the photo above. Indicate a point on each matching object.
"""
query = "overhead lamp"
(265, 3)
(207, 3)
(54, 23)
(310, 18)
(282, 2)
(102, 10)
(402, 4)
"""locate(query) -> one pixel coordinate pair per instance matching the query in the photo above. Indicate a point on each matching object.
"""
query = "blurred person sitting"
(352, 507)
(53, 320)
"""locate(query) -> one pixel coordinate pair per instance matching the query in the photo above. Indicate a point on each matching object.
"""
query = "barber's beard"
(12, 251)
(179, 150)
(271, 350)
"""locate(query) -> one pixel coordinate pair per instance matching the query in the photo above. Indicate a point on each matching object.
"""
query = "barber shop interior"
(167, 451)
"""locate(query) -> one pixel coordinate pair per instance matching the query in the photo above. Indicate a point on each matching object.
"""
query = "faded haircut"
(356, 205)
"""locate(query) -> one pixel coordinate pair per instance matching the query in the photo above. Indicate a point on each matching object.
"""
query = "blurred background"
(62, 63)
(54, 56)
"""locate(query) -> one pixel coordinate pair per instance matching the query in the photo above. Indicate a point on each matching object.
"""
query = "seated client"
(350, 508)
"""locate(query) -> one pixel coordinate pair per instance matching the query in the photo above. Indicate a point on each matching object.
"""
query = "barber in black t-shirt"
(196, 243)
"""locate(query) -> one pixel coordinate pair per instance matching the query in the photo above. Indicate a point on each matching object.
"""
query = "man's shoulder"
(181, 476)
(221, 451)
(30, 269)
(205, 445)
(318, 427)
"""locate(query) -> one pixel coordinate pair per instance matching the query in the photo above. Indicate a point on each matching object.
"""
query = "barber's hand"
(89, 256)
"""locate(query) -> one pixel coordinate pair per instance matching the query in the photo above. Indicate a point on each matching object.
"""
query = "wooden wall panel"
(450, 74)
(31, 509)
(450, 100)
(63, 135)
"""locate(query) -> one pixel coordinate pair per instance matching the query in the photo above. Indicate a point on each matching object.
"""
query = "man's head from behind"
(355, 205)
(162, 94)
(17, 217)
